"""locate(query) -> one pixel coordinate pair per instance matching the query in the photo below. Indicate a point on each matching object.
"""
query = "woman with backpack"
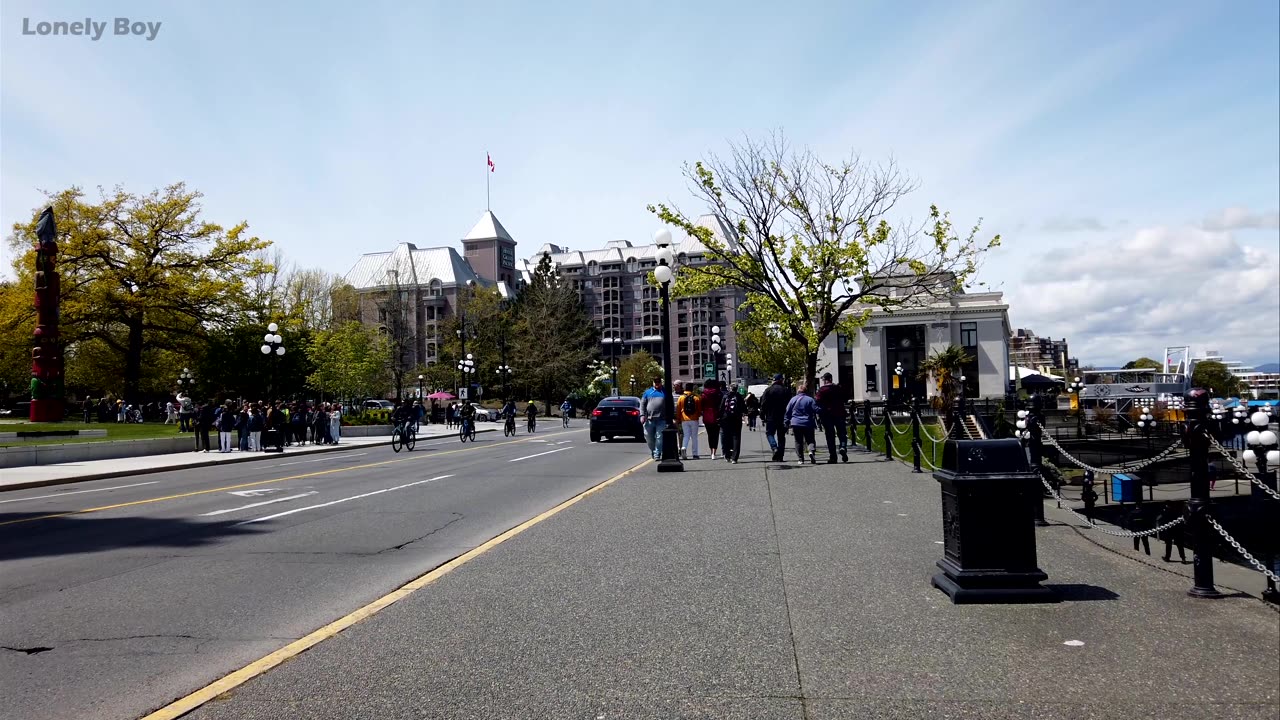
(731, 408)
(711, 399)
(688, 412)
(802, 418)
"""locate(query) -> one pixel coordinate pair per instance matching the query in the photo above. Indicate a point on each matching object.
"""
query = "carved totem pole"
(46, 355)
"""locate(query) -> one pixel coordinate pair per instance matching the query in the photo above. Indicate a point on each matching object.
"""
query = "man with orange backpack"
(688, 412)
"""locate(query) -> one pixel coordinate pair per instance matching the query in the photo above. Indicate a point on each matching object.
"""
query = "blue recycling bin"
(1125, 488)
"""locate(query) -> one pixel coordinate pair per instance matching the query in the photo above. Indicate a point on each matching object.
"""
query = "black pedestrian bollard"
(1196, 441)
(1035, 451)
(888, 430)
(915, 434)
(1088, 494)
(866, 422)
(989, 537)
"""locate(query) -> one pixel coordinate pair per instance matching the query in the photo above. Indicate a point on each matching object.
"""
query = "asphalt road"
(119, 595)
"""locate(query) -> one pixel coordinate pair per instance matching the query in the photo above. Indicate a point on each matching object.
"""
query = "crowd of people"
(722, 409)
(254, 426)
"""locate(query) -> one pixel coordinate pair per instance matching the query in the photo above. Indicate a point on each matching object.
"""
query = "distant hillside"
(1268, 368)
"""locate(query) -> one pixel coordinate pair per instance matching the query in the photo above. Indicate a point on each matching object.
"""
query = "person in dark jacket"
(753, 410)
(1172, 537)
(731, 409)
(242, 428)
(831, 400)
(226, 423)
(710, 402)
(802, 417)
(204, 423)
(773, 407)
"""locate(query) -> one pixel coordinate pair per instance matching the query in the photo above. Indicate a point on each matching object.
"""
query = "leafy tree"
(143, 277)
(489, 322)
(232, 364)
(810, 243)
(350, 361)
(554, 338)
(643, 366)
(1216, 377)
(1143, 363)
(945, 367)
(770, 350)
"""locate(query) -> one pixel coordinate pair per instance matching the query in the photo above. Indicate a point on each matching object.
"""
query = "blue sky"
(1129, 153)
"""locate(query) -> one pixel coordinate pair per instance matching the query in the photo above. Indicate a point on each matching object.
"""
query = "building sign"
(508, 257)
(709, 371)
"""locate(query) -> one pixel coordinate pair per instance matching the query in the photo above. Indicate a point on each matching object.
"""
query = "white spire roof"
(488, 228)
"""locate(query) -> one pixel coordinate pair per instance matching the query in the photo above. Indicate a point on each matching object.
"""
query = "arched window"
(593, 268)
(435, 289)
(633, 265)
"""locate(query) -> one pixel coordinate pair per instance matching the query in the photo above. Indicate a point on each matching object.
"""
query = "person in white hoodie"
(335, 422)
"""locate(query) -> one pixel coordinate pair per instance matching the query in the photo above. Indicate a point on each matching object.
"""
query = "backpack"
(683, 411)
(732, 405)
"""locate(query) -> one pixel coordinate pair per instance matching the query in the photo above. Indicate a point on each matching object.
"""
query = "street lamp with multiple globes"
(1263, 452)
(185, 379)
(1074, 388)
(467, 367)
(664, 274)
(898, 372)
(272, 343)
(1146, 422)
(716, 348)
(504, 370)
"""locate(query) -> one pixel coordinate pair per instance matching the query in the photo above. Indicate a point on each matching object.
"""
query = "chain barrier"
(894, 425)
(1240, 549)
(945, 432)
(1122, 467)
(1099, 528)
(1243, 469)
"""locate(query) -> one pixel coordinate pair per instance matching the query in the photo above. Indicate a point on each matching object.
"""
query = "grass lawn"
(930, 451)
(115, 431)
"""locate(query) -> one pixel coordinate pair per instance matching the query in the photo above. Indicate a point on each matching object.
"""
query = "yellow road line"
(184, 705)
(252, 484)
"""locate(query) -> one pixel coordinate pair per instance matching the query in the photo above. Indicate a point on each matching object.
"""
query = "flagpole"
(486, 180)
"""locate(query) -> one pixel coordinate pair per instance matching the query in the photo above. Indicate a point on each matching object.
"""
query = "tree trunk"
(811, 370)
(133, 361)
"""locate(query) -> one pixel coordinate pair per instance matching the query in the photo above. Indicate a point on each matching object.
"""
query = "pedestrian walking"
(1137, 523)
(753, 410)
(688, 413)
(86, 410)
(242, 428)
(170, 412)
(256, 425)
(773, 408)
(652, 417)
(802, 417)
(204, 423)
(731, 410)
(711, 399)
(831, 400)
(120, 417)
(335, 423)
(321, 424)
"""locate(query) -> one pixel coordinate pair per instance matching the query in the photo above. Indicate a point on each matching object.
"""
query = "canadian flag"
(490, 161)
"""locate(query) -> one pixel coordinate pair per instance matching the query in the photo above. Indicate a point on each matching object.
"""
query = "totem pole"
(46, 356)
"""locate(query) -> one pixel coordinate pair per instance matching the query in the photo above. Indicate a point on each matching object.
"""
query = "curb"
(253, 457)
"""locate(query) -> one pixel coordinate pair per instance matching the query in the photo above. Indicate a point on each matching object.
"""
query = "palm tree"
(946, 367)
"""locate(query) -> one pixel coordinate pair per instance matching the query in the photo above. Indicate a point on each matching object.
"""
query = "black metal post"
(670, 435)
(1036, 446)
(853, 425)
(866, 422)
(915, 434)
(1197, 443)
(888, 430)
(1261, 505)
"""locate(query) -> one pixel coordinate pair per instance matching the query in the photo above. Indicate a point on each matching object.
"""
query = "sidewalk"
(19, 478)
(766, 591)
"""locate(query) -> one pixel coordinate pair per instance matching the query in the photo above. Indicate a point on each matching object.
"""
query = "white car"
(483, 414)
(379, 405)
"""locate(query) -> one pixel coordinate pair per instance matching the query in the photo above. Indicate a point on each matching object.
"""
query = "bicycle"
(403, 436)
(564, 419)
(509, 430)
(467, 431)
(533, 423)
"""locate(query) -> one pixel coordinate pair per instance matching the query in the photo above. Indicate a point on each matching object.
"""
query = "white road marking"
(255, 493)
(77, 492)
(526, 457)
(563, 442)
(335, 502)
(258, 504)
(1073, 643)
(339, 457)
(937, 542)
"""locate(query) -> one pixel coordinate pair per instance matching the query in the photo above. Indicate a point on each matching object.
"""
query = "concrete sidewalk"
(31, 476)
(768, 591)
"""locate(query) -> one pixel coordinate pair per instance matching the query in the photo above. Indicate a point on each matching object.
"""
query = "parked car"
(378, 405)
(616, 417)
(484, 414)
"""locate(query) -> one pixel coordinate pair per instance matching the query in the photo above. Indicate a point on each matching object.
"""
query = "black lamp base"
(670, 450)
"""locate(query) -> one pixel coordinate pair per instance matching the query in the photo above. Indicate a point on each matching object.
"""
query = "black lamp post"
(902, 384)
(504, 370)
(272, 343)
(715, 349)
(421, 397)
(1146, 421)
(1075, 387)
(185, 380)
(665, 273)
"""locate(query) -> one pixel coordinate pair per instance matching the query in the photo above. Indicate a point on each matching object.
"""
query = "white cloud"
(1239, 218)
(1073, 225)
(1123, 297)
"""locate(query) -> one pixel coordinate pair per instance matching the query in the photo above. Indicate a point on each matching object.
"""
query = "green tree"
(811, 245)
(1143, 363)
(770, 350)
(1217, 378)
(643, 367)
(143, 277)
(554, 340)
(350, 361)
(489, 322)
(945, 367)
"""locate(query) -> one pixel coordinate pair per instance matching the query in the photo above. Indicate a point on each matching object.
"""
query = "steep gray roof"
(619, 250)
(414, 267)
(488, 228)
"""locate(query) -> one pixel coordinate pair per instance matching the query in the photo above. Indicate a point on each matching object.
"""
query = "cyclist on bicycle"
(468, 415)
(508, 414)
(566, 408)
(531, 412)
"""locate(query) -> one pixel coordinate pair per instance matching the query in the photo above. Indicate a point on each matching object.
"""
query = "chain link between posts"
(1099, 528)
(1122, 467)
(894, 425)
(1242, 468)
(1240, 549)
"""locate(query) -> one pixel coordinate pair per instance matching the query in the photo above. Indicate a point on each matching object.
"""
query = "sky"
(1127, 153)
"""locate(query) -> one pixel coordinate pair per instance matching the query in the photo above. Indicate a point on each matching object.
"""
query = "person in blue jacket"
(802, 418)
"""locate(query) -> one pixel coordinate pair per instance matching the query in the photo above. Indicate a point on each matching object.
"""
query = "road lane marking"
(526, 457)
(563, 442)
(255, 493)
(179, 496)
(335, 502)
(184, 705)
(77, 492)
(258, 504)
(299, 462)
